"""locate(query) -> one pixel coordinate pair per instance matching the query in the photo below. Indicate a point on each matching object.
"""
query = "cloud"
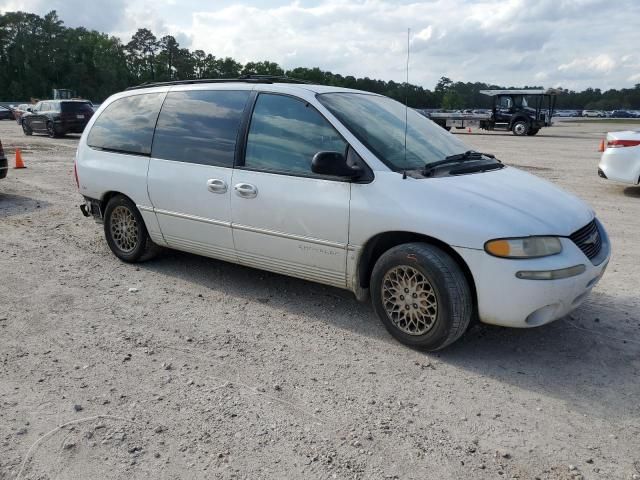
(75, 13)
(600, 63)
(573, 43)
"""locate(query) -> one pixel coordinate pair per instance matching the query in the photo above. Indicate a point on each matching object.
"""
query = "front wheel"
(26, 129)
(533, 132)
(125, 231)
(51, 130)
(520, 128)
(421, 296)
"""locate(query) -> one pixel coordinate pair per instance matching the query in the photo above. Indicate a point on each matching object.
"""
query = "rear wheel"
(421, 296)
(125, 231)
(520, 128)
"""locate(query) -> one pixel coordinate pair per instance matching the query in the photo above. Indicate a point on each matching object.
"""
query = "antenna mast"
(406, 99)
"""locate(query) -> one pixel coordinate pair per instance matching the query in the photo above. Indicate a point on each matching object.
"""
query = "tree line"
(38, 54)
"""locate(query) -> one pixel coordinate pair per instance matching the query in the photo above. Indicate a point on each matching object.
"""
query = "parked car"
(315, 182)
(4, 164)
(19, 111)
(622, 114)
(593, 113)
(6, 113)
(57, 117)
(620, 159)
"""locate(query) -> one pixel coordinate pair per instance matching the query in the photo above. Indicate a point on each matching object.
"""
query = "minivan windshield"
(379, 123)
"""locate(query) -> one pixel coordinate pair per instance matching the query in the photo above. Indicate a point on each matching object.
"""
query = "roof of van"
(254, 80)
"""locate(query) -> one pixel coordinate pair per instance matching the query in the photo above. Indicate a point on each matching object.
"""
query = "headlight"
(529, 247)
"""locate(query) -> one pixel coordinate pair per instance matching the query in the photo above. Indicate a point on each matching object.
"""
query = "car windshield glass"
(379, 123)
(79, 107)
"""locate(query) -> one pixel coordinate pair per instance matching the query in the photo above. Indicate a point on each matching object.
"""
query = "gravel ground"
(212, 370)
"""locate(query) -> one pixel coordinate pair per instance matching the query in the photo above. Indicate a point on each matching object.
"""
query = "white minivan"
(341, 187)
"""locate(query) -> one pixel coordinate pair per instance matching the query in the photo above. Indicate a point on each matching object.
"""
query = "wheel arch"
(377, 245)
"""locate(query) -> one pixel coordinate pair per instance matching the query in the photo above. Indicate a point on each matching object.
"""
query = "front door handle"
(246, 190)
(215, 185)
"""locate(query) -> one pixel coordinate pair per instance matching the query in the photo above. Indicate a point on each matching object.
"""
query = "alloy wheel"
(124, 229)
(409, 300)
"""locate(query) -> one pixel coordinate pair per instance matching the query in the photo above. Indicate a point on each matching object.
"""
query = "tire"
(448, 129)
(121, 213)
(533, 132)
(520, 128)
(435, 325)
(51, 130)
(26, 129)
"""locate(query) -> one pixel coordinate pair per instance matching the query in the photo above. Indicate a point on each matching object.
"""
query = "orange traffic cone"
(601, 149)
(19, 162)
(469, 130)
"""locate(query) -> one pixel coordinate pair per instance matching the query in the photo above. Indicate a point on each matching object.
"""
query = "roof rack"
(242, 78)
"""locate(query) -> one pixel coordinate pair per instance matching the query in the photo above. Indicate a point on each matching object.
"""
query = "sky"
(572, 44)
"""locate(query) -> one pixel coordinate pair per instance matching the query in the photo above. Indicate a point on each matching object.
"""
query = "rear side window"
(127, 124)
(199, 126)
(76, 107)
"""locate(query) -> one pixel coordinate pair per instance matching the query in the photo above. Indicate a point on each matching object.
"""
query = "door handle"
(246, 190)
(215, 185)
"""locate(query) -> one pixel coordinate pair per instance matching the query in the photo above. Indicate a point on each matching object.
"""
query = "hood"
(468, 210)
(530, 205)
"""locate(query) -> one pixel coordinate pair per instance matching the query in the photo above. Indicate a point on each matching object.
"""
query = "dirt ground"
(212, 370)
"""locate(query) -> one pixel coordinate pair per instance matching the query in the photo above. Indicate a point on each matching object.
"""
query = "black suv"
(57, 117)
(4, 165)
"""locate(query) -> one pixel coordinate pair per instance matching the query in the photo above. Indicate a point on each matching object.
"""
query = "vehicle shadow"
(290, 295)
(592, 365)
(632, 192)
(17, 205)
(590, 358)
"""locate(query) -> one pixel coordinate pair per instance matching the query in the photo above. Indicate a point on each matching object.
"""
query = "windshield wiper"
(428, 169)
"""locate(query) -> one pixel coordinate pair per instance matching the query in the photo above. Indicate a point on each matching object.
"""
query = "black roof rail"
(242, 78)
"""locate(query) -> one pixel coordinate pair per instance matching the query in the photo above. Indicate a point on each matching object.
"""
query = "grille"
(588, 239)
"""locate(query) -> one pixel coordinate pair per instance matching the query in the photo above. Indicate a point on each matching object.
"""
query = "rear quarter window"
(127, 124)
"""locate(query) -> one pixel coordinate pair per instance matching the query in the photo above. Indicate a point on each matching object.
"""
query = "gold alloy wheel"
(124, 229)
(409, 300)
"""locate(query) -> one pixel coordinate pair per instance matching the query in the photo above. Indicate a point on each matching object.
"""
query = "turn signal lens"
(528, 247)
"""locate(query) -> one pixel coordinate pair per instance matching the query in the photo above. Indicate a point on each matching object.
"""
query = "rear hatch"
(75, 113)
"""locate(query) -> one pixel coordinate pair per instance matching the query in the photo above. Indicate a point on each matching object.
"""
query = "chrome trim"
(144, 208)
(289, 236)
(264, 231)
(192, 217)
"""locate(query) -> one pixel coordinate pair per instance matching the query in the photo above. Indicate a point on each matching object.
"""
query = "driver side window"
(285, 133)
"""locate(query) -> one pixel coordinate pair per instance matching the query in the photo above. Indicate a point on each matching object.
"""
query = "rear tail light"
(622, 143)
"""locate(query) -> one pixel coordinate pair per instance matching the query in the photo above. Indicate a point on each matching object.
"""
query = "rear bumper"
(4, 167)
(621, 165)
(503, 299)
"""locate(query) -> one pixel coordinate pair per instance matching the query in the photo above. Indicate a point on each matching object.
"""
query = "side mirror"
(333, 164)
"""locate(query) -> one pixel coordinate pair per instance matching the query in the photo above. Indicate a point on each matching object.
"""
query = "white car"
(620, 159)
(593, 113)
(331, 185)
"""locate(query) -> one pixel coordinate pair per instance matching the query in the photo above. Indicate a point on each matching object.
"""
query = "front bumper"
(506, 300)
